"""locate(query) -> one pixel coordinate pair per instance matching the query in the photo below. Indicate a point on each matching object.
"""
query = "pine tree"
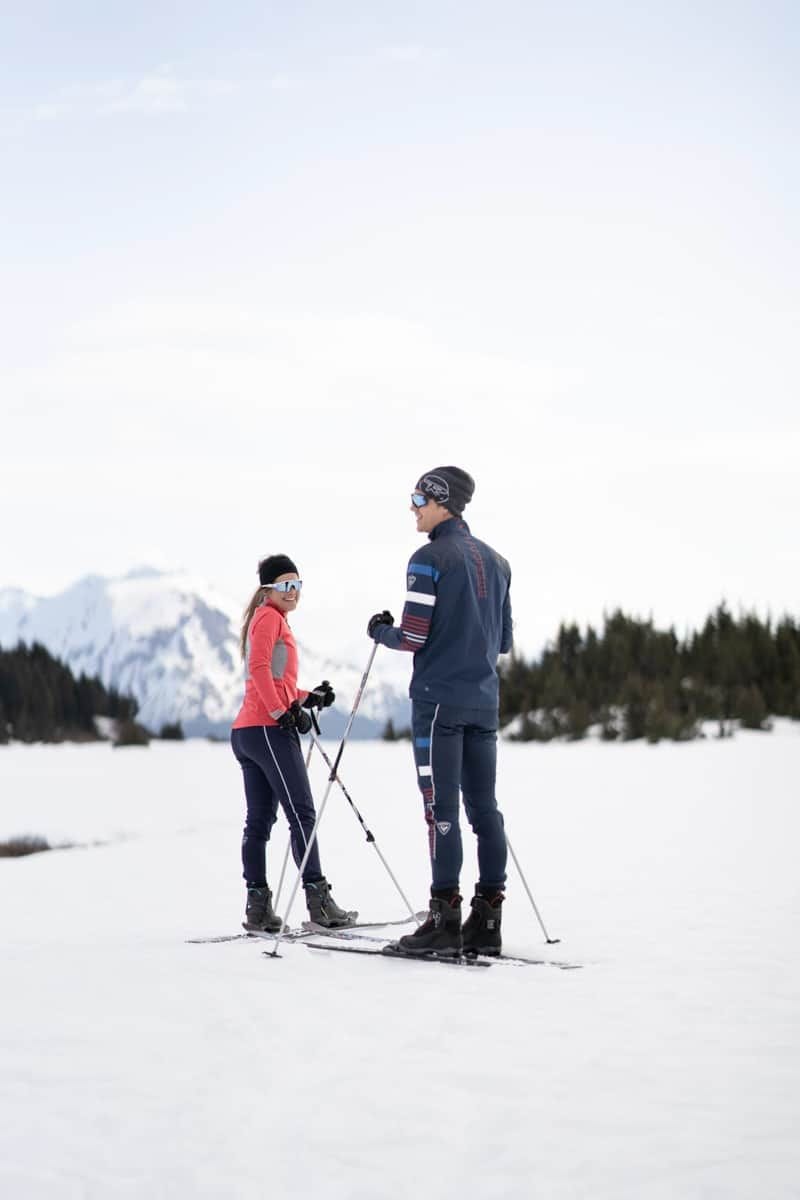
(750, 707)
(42, 701)
(172, 732)
(643, 682)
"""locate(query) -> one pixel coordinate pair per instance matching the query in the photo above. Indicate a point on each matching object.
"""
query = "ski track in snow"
(135, 1064)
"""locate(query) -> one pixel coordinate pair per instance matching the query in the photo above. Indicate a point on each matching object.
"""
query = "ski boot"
(481, 932)
(260, 917)
(439, 936)
(323, 909)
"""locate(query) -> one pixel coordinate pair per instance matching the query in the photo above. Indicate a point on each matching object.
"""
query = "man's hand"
(322, 696)
(382, 618)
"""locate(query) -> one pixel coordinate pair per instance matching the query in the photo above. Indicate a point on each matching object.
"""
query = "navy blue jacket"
(456, 619)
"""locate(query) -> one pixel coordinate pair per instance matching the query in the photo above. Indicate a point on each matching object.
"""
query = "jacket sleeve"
(507, 637)
(263, 636)
(412, 633)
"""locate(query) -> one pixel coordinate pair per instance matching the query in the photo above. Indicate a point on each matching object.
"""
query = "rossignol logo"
(443, 827)
(434, 485)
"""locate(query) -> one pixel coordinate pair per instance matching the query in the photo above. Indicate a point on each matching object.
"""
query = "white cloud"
(164, 93)
(413, 54)
(50, 112)
(284, 82)
(161, 91)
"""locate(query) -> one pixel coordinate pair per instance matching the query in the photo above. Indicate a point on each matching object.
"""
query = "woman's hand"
(295, 718)
(322, 696)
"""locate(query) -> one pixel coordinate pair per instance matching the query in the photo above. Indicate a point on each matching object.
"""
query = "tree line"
(631, 680)
(42, 701)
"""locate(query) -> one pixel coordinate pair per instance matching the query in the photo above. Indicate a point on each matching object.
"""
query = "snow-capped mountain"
(171, 640)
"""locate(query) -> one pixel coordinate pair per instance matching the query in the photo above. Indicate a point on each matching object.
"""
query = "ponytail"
(257, 599)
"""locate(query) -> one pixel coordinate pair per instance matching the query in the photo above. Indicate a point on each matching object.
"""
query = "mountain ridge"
(170, 639)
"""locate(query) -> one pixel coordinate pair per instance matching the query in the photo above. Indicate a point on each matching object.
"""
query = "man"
(456, 620)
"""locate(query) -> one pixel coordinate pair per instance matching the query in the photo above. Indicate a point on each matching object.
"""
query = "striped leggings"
(455, 753)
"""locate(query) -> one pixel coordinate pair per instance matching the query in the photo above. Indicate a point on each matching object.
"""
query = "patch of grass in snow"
(18, 847)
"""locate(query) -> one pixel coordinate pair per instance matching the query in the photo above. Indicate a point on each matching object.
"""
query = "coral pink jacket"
(271, 669)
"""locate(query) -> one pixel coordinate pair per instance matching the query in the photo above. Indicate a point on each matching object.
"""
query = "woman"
(265, 740)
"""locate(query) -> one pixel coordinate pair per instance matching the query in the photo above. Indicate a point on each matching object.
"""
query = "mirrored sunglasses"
(418, 500)
(286, 585)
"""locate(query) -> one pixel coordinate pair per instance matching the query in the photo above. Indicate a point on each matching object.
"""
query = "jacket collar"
(449, 528)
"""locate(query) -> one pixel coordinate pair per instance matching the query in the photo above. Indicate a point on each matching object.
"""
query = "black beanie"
(449, 486)
(277, 564)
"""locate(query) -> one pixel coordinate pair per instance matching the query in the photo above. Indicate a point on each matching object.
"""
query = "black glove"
(322, 696)
(286, 720)
(295, 718)
(383, 618)
(302, 720)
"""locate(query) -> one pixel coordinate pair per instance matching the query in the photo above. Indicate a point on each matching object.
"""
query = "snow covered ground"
(135, 1064)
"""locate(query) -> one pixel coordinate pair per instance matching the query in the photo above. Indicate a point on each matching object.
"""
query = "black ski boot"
(260, 917)
(481, 932)
(323, 909)
(440, 935)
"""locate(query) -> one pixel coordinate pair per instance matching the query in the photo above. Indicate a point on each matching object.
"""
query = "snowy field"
(137, 1065)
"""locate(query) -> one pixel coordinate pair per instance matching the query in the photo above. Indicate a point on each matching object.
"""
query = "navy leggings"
(274, 774)
(455, 751)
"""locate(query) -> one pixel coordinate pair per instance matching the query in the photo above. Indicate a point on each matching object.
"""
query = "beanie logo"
(412, 579)
(443, 827)
(434, 485)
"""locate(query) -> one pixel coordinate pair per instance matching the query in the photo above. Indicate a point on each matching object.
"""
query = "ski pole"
(550, 941)
(370, 836)
(334, 769)
(288, 845)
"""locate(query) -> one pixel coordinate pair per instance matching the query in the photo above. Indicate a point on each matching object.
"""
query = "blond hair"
(257, 600)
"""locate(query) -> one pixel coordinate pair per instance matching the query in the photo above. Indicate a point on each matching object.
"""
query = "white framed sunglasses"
(286, 585)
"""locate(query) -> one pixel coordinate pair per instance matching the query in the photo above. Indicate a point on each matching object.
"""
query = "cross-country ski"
(306, 928)
(440, 959)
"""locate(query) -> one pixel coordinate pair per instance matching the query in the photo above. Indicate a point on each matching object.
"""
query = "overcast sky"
(266, 263)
